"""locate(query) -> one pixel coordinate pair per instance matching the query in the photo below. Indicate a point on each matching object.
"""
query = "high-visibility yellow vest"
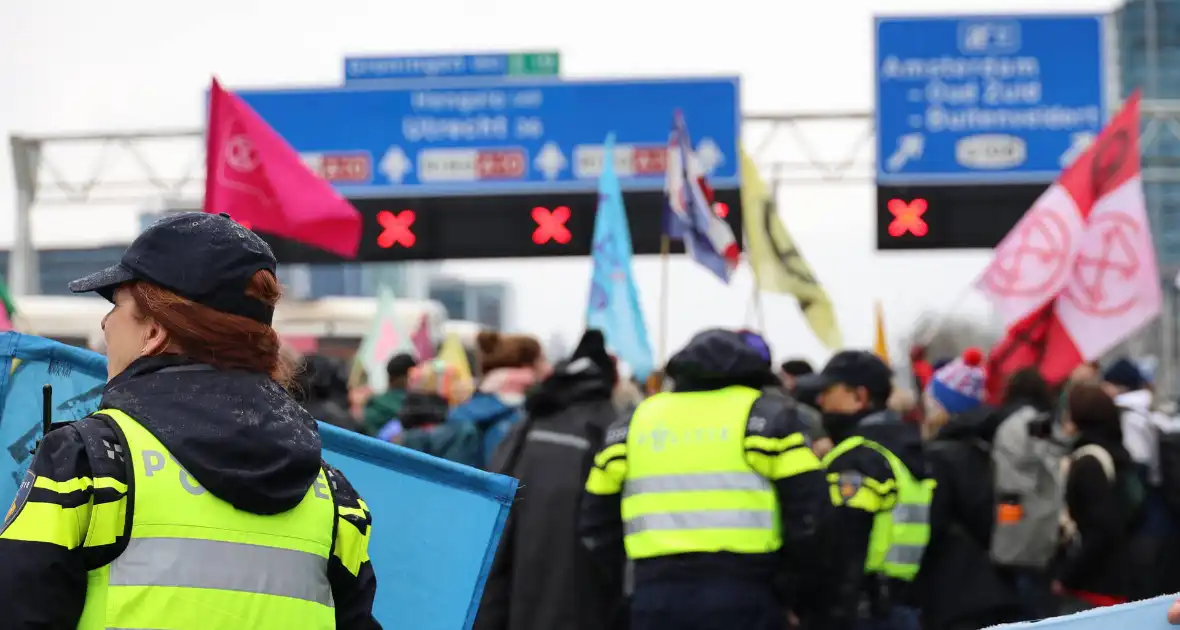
(193, 561)
(688, 488)
(900, 534)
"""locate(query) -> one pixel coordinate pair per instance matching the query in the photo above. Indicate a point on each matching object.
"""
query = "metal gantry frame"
(146, 167)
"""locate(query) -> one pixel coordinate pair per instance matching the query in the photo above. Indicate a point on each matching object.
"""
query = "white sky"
(84, 66)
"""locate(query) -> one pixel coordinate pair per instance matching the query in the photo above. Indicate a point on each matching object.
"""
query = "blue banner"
(614, 307)
(1151, 614)
(27, 364)
(436, 524)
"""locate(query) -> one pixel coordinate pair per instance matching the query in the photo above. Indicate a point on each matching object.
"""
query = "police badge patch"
(22, 496)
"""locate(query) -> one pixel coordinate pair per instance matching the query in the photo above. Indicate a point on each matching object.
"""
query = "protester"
(1104, 498)
(359, 394)
(322, 389)
(197, 497)
(542, 578)
(385, 406)
(721, 497)
(791, 370)
(1125, 383)
(880, 486)
(422, 424)
(1026, 454)
(508, 365)
(959, 587)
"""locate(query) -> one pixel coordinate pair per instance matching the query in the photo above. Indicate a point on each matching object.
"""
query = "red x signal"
(551, 225)
(396, 229)
(907, 217)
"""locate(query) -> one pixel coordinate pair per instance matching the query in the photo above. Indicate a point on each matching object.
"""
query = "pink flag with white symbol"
(253, 175)
(1078, 274)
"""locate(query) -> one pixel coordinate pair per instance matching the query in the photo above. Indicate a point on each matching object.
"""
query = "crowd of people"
(727, 492)
(1048, 501)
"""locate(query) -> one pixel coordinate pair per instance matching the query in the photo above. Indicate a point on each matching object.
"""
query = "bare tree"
(946, 336)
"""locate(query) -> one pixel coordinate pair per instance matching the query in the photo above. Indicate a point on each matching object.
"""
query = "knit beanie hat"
(959, 385)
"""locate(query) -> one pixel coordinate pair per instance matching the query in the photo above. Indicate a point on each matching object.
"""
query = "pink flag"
(1078, 274)
(253, 175)
(421, 340)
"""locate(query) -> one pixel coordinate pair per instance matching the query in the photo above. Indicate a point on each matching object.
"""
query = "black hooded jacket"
(238, 434)
(541, 577)
(958, 585)
(713, 360)
(1106, 512)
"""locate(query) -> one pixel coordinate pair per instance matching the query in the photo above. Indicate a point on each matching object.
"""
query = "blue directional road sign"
(986, 99)
(405, 141)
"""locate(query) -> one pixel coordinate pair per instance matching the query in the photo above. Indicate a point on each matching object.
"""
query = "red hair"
(227, 342)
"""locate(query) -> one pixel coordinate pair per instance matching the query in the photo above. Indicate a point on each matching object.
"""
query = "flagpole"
(758, 310)
(665, 250)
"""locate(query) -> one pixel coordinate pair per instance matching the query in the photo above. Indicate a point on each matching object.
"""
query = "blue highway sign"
(435, 66)
(986, 99)
(536, 136)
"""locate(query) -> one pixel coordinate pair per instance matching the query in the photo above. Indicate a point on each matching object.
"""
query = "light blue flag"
(27, 363)
(1151, 614)
(613, 307)
(436, 524)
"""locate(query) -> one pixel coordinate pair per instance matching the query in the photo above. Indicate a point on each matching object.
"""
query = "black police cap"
(206, 258)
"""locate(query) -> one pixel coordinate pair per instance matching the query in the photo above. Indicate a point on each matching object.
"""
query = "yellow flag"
(880, 344)
(453, 354)
(777, 264)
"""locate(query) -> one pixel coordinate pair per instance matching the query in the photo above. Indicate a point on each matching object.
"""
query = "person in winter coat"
(959, 587)
(1027, 451)
(1103, 497)
(422, 424)
(1156, 547)
(384, 407)
(1125, 383)
(509, 365)
(321, 388)
(542, 578)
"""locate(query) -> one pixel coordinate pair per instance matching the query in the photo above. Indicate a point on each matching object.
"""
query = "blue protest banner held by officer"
(436, 524)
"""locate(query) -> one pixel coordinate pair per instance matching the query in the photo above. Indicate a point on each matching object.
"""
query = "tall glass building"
(1148, 35)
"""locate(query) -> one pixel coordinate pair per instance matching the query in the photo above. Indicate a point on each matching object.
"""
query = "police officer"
(196, 497)
(881, 490)
(712, 492)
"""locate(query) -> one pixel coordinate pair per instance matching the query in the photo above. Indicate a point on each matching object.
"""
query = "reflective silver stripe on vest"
(225, 566)
(702, 519)
(905, 554)
(911, 514)
(694, 482)
(562, 439)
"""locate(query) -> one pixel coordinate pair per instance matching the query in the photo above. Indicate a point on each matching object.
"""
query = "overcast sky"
(83, 66)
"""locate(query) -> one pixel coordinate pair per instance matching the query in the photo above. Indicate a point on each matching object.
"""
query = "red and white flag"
(253, 175)
(1078, 273)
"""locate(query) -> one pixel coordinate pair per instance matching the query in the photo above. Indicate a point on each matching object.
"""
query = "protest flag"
(689, 214)
(613, 306)
(1078, 273)
(253, 175)
(384, 339)
(776, 261)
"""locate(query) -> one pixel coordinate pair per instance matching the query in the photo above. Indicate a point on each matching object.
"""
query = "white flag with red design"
(1078, 273)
